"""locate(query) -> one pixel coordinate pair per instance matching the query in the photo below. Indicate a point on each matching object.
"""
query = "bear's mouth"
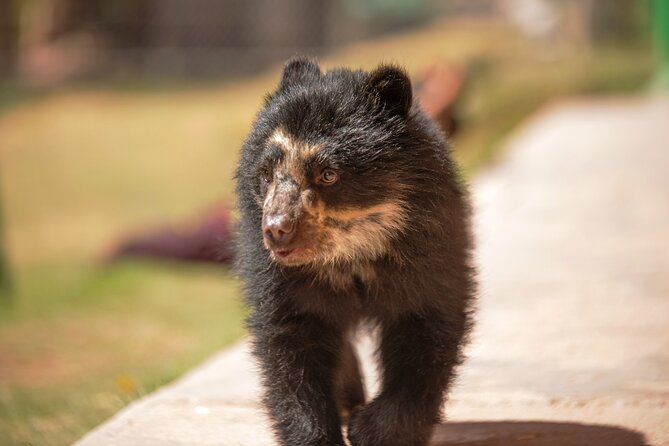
(290, 256)
(284, 253)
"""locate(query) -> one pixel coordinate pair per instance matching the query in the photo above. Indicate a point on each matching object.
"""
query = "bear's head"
(328, 164)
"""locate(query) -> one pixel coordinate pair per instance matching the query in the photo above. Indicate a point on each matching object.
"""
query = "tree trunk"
(9, 33)
(5, 279)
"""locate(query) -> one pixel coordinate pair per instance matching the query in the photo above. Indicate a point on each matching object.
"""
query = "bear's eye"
(328, 177)
(266, 175)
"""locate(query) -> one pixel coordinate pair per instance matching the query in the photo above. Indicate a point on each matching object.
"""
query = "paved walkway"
(572, 343)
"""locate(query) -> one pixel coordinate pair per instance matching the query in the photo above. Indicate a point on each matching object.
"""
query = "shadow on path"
(533, 433)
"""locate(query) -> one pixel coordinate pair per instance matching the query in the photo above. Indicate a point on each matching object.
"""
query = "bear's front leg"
(418, 354)
(299, 358)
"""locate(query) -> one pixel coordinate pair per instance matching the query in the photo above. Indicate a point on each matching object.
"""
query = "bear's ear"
(299, 70)
(393, 87)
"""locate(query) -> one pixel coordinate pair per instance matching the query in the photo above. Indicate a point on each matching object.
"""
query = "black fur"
(418, 292)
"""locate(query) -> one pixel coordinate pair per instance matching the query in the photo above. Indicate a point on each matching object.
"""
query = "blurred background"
(120, 124)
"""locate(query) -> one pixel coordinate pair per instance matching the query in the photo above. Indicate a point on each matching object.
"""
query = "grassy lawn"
(80, 167)
(103, 338)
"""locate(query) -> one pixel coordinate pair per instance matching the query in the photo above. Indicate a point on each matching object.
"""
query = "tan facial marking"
(384, 209)
(366, 233)
(281, 138)
(296, 153)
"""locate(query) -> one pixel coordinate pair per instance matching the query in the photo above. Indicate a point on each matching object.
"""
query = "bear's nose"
(278, 228)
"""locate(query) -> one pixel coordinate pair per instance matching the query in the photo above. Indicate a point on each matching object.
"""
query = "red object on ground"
(208, 240)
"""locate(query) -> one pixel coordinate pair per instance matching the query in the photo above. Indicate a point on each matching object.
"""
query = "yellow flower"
(126, 383)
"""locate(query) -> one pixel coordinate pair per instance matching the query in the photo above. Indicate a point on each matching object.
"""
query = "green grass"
(506, 91)
(79, 344)
(80, 167)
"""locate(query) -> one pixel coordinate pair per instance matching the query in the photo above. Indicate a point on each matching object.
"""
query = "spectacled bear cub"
(352, 212)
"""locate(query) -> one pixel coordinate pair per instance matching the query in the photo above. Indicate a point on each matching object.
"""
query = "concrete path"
(572, 342)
